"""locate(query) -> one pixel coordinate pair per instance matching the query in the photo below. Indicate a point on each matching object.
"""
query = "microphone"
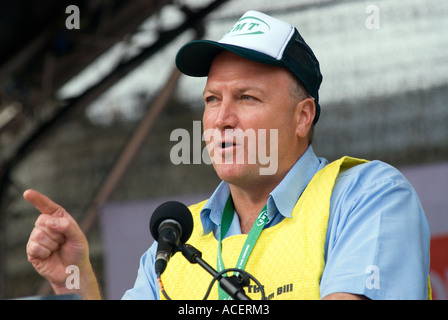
(170, 224)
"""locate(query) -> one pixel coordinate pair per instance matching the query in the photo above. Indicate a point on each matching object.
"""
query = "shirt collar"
(282, 199)
(289, 190)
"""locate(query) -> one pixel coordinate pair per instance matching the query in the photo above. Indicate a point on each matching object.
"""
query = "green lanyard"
(249, 244)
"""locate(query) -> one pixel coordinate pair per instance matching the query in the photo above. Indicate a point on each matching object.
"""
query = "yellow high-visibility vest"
(288, 258)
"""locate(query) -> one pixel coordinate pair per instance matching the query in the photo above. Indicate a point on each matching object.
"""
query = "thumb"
(66, 226)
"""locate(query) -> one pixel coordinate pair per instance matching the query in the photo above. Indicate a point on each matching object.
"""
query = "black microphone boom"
(170, 224)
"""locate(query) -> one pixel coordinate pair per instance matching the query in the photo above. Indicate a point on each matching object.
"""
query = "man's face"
(245, 97)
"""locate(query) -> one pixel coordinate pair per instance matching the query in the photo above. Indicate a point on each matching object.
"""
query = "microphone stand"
(232, 285)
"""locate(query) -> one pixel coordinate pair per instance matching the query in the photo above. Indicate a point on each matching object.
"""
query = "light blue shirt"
(377, 241)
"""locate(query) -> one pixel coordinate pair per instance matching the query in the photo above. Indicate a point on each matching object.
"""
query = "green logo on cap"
(248, 26)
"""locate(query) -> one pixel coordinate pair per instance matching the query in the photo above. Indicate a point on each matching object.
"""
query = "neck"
(248, 205)
(250, 198)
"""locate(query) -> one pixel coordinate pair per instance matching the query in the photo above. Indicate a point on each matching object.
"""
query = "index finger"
(41, 202)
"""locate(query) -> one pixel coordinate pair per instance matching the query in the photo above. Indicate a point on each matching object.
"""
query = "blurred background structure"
(86, 112)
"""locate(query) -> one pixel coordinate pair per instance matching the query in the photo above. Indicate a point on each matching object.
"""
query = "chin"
(237, 174)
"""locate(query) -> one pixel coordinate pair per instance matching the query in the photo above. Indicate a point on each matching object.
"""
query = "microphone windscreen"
(172, 210)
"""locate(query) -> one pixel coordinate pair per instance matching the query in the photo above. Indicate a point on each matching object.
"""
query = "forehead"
(227, 65)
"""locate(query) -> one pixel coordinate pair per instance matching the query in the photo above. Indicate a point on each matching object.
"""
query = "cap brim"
(195, 58)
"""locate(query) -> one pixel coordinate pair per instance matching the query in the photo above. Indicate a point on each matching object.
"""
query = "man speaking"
(350, 229)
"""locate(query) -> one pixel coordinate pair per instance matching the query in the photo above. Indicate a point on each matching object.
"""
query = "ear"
(306, 110)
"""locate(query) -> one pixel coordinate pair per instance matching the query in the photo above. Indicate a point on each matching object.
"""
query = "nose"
(226, 117)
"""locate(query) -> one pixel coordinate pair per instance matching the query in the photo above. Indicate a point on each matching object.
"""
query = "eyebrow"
(239, 90)
(207, 90)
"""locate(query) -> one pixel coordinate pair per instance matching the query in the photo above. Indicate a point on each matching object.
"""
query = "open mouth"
(227, 144)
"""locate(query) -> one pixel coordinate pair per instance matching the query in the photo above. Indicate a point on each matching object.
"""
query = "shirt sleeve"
(146, 286)
(378, 236)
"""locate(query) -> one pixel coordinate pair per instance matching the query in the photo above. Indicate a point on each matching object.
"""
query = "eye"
(247, 97)
(210, 99)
